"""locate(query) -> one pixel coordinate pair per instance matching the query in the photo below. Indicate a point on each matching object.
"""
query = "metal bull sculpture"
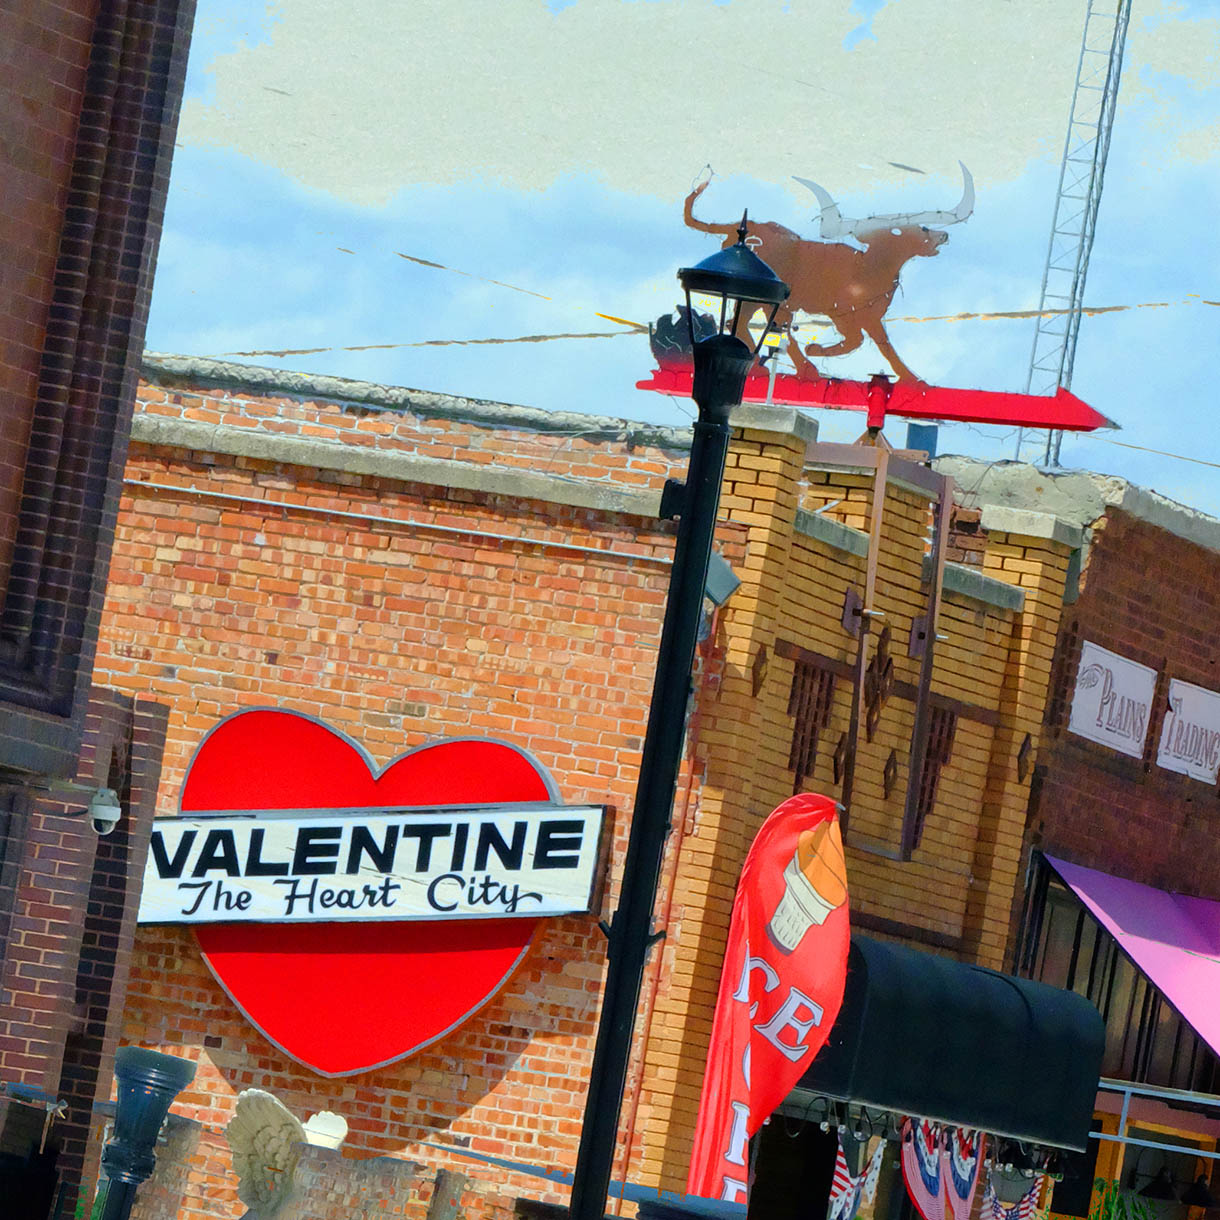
(853, 288)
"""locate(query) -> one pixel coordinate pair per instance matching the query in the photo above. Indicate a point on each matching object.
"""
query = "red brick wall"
(1154, 598)
(39, 979)
(71, 926)
(264, 592)
(967, 541)
(87, 124)
(390, 420)
(89, 96)
(41, 88)
(123, 752)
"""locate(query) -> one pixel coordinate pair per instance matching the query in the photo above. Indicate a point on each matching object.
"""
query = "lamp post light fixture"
(1198, 1194)
(148, 1082)
(1161, 1187)
(743, 283)
(737, 276)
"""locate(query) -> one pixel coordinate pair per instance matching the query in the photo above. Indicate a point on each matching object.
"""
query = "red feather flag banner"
(784, 973)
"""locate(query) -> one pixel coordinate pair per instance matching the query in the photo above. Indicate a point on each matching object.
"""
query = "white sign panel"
(1112, 701)
(486, 862)
(1190, 736)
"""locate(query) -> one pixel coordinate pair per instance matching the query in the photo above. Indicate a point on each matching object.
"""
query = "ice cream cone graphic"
(814, 885)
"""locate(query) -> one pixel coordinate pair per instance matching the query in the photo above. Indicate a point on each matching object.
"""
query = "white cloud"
(1168, 42)
(551, 151)
(364, 99)
(1172, 76)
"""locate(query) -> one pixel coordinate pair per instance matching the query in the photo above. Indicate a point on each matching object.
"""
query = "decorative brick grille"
(941, 731)
(809, 704)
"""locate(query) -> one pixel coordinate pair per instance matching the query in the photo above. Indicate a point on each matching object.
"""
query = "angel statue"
(262, 1134)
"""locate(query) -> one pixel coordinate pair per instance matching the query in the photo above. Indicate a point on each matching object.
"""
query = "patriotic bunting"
(847, 1189)
(921, 1167)
(940, 1166)
(960, 1161)
(1023, 1209)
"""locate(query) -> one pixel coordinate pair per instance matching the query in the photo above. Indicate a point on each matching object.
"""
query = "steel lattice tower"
(1075, 217)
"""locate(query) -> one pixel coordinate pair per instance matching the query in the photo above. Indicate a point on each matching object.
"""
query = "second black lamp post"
(743, 283)
(148, 1082)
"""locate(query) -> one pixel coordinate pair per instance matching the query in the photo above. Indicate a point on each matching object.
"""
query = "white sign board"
(485, 862)
(1112, 702)
(1190, 736)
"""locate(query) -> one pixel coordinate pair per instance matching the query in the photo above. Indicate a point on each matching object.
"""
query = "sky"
(376, 190)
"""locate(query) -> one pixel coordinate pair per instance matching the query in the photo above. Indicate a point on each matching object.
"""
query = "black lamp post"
(148, 1083)
(743, 282)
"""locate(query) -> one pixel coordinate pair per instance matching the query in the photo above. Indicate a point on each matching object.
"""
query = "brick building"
(1122, 882)
(406, 565)
(88, 111)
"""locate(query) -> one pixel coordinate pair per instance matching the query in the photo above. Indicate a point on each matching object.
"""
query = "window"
(1146, 1041)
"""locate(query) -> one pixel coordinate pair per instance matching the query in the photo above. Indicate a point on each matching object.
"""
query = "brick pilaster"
(1039, 566)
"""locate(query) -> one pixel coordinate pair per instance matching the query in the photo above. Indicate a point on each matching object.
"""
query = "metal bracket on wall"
(673, 500)
(853, 612)
(758, 670)
(1023, 754)
(878, 683)
(889, 776)
(839, 760)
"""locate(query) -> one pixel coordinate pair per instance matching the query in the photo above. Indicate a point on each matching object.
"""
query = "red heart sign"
(346, 997)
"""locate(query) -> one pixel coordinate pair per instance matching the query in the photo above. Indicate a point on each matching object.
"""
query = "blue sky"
(548, 147)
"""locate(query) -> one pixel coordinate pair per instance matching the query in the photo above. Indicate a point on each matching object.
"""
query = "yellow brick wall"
(959, 884)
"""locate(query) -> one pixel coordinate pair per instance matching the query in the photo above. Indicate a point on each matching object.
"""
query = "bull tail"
(702, 226)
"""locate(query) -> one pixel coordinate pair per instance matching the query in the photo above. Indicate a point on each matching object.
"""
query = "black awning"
(935, 1038)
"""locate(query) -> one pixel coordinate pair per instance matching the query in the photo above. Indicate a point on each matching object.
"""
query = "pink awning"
(1174, 940)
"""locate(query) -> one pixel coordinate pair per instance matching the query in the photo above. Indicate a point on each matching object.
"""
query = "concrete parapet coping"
(786, 421)
(892, 479)
(1000, 519)
(966, 581)
(1187, 523)
(832, 533)
(960, 578)
(397, 466)
(1076, 497)
(201, 372)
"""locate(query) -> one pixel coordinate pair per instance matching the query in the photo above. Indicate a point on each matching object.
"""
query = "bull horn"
(964, 207)
(936, 219)
(833, 224)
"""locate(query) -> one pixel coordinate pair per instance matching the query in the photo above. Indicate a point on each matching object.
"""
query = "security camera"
(105, 810)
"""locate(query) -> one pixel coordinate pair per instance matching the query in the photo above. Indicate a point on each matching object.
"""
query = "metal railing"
(1206, 1102)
